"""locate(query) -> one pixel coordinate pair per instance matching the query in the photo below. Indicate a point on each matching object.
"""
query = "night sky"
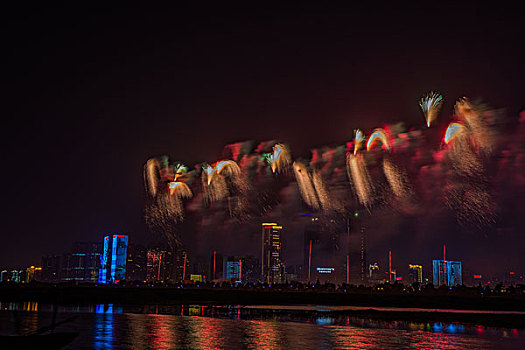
(90, 94)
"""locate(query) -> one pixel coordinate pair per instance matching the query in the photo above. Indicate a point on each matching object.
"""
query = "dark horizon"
(92, 94)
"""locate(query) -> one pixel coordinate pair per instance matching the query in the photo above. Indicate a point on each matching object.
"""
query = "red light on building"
(512, 273)
(477, 276)
(120, 236)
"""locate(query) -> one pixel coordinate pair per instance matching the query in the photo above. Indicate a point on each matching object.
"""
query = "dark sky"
(89, 94)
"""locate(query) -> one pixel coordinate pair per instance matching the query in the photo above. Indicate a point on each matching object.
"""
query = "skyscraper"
(446, 272)
(136, 263)
(113, 259)
(83, 263)
(416, 273)
(271, 253)
(216, 267)
(50, 268)
(159, 265)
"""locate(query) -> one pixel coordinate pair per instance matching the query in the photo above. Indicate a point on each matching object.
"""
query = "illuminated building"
(4, 276)
(159, 265)
(33, 274)
(83, 264)
(271, 268)
(196, 278)
(446, 272)
(233, 269)
(216, 268)
(136, 263)
(51, 268)
(15, 276)
(416, 273)
(356, 232)
(113, 259)
(374, 276)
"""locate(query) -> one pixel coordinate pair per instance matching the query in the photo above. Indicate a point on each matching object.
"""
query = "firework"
(397, 179)
(470, 113)
(228, 167)
(213, 190)
(152, 176)
(359, 178)
(321, 191)
(208, 173)
(378, 134)
(453, 130)
(280, 158)
(306, 187)
(178, 170)
(358, 140)
(179, 189)
(430, 105)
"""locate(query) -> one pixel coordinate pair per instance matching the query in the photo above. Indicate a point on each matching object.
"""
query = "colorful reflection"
(103, 333)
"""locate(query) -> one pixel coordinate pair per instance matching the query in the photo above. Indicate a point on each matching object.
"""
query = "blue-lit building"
(113, 259)
(233, 269)
(446, 272)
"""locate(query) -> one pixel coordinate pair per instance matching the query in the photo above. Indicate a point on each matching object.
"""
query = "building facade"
(113, 259)
(415, 273)
(271, 261)
(446, 273)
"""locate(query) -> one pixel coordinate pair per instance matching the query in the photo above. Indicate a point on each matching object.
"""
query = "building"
(159, 265)
(136, 262)
(4, 276)
(271, 263)
(446, 272)
(33, 274)
(415, 273)
(233, 269)
(83, 263)
(216, 266)
(374, 274)
(113, 259)
(51, 266)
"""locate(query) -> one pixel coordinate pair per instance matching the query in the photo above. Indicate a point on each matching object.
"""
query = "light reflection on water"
(115, 327)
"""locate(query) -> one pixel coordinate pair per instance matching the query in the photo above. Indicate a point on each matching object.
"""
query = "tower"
(271, 253)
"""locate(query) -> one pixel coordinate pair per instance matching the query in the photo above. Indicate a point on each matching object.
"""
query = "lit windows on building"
(415, 273)
(271, 264)
(113, 259)
(446, 273)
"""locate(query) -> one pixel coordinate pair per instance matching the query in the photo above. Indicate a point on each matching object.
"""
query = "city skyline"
(98, 112)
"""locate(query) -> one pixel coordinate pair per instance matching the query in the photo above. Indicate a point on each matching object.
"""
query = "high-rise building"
(4, 276)
(113, 259)
(416, 273)
(136, 263)
(33, 274)
(83, 263)
(446, 272)
(51, 268)
(374, 276)
(159, 265)
(216, 266)
(357, 246)
(233, 269)
(271, 262)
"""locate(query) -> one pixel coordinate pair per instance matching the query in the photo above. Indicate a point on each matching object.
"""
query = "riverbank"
(94, 294)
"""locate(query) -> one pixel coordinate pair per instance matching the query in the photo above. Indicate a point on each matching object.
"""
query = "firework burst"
(359, 178)
(379, 134)
(306, 186)
(152, 176)
(359, 138)
(430, 105)
(280, 158)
